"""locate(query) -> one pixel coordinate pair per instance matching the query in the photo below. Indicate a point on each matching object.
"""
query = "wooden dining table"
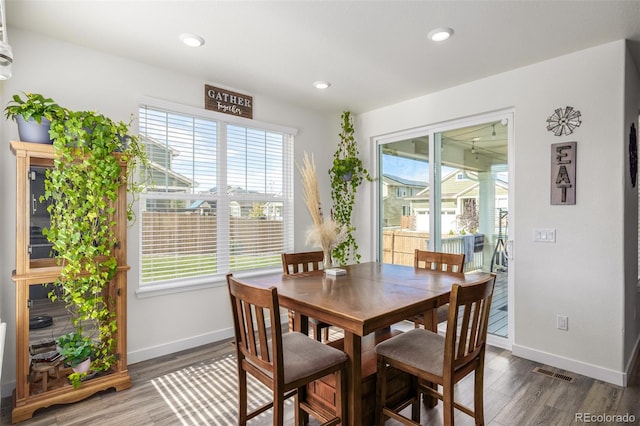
(365, 302)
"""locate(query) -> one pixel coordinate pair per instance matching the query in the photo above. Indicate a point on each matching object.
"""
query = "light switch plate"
(544, 235)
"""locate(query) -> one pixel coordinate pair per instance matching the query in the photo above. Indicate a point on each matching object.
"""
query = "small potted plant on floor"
(33, 114)
(77, 351)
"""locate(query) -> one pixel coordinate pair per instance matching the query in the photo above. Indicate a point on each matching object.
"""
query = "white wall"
(582, 275)
(632, 286)
(84, 79)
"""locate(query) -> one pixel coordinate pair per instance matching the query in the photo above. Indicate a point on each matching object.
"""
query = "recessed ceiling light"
(321, 84)
(440, 34)
(191, 40)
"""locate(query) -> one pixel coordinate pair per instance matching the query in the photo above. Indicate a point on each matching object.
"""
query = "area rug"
(206, 393)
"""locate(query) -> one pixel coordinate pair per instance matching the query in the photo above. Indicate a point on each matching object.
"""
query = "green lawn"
(158, 268)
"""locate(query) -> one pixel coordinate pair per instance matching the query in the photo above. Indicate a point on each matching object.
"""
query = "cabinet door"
(39, 246)
(39, 250)
(47, 321)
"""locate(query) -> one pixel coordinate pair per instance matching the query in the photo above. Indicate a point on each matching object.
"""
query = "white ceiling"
(375, 53)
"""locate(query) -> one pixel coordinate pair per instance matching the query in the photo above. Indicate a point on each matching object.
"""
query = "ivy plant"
(34, 106)
(82, 188)
(346, 174)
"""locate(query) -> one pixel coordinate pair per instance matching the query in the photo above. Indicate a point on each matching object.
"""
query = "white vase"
(83, 367)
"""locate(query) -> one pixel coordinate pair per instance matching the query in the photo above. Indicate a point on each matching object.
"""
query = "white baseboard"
(178, 345)
(618, 378)
(183, 344)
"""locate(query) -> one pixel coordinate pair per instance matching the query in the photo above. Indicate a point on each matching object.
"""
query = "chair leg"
(325, 334)
(415, 405)
(292, 317)
(381, 391)
(242, 397)
(278, 408)
(316, 332)
(299, 414)
(341, 396)
(447, 403)
(478, 395)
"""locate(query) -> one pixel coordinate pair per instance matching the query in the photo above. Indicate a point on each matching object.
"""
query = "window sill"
(201, 283)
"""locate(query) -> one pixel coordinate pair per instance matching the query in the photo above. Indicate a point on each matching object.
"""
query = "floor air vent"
(560, 376)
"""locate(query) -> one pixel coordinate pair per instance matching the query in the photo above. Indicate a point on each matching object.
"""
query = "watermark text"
(604, 418)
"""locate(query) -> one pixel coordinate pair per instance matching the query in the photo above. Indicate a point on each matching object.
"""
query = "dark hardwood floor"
(515, 394)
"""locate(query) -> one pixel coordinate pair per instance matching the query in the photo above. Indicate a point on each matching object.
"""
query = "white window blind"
(218, 198)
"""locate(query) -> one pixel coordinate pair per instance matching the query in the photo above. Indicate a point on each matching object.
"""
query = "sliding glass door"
(404, 171)
(447, 189)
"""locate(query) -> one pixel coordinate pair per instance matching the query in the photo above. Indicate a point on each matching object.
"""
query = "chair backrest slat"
(438, 261)
(296, 263)
(252, 346)
(469, 308)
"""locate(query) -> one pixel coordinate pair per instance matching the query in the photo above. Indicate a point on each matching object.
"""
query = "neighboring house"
(458, 187)
(395, 194)
(247, 208)
(160, 172)
(203, 207)
(273, 211)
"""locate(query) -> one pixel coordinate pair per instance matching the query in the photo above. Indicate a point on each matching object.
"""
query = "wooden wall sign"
(563, 173)
(228, 102)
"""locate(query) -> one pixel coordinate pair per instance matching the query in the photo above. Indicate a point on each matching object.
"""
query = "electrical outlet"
(563, 322)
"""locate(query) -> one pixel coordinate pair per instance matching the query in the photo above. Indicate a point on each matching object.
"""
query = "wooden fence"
(398, 247)
(181, 233)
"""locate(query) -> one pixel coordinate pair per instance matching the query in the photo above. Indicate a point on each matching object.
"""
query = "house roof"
(403, 182)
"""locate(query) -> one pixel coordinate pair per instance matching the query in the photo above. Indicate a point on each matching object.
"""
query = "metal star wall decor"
(563, 121)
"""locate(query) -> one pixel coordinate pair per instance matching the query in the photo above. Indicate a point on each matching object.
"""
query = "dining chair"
(431, 358)
(299, 263)
(284, 362)
(437, 261)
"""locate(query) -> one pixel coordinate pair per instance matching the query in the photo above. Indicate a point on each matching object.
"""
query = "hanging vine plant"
(82, 189)
(346, 174)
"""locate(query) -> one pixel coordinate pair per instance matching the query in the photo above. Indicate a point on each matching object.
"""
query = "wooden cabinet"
(40, 381)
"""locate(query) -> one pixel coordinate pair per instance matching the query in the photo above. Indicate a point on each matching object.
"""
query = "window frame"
(218, 279)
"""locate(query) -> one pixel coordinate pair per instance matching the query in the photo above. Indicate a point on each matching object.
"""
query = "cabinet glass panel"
(39, 247)
(47, 321)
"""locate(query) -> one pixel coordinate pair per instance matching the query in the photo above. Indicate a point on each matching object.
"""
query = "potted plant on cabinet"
(82, 188)
(346, 174)
(33, 114)
(76, 350)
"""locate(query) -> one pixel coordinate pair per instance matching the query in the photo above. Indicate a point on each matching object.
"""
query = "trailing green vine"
(82, 190)
(346, 174)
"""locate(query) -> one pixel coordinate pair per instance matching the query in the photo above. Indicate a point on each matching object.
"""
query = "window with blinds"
(217, 199)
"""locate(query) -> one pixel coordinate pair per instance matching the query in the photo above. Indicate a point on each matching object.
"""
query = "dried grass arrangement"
(325, 232)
